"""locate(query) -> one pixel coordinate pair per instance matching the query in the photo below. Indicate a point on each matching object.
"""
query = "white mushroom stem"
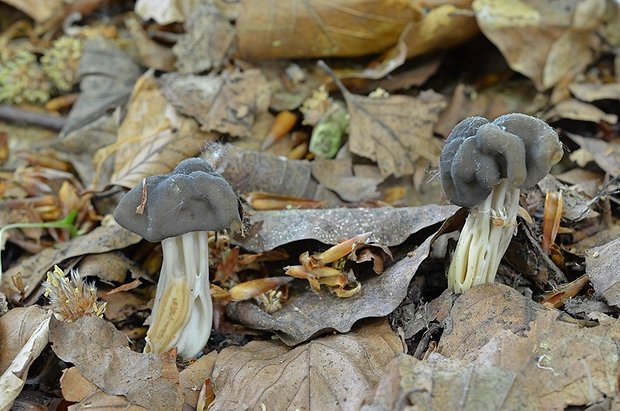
(183, 311)
(484, 239)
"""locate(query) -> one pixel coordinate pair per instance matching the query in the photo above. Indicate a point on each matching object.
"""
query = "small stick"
(19, 115)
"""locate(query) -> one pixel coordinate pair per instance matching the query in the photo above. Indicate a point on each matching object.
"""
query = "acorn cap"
(193, 197)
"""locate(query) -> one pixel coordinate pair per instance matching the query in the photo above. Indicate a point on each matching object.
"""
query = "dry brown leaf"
(39, 10)
(447, 384)
(16, 327)
(307, 314)
(541, 40)
(337, 175)
(602, 267)
(193, 377)
(111, 266)
(334, 372)
(573, 109)
(107, 75)
(228, 103)
(102, 239)
(93, 344)
(441, 28)
(152, 139)
(396, 131)
(207, 41)
(389, 226)
(593, 92)
(121, 305)
(166, 11)
(152, 55)
(494, 325)
(317, 28)
(23, 336)
(605, 154)
(74, 386)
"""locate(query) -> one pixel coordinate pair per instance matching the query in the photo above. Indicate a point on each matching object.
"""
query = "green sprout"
(66, 223)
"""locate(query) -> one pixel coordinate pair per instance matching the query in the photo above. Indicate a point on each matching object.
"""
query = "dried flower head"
(70, 296)
(22, 80)
(61, 61)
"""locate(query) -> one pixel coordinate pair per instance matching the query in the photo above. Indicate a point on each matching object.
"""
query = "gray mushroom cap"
(478, 153)
(193, 197)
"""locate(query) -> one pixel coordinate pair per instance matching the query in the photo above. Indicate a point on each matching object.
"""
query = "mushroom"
(483, 166)
(179, 209)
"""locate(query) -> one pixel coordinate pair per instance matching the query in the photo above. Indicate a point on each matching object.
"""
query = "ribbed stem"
(183, 311)
(484, 239)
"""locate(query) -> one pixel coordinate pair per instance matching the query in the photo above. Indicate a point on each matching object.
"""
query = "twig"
(19, 115)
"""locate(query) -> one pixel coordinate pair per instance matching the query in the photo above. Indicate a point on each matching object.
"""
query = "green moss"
(22, 80)
(61, 61)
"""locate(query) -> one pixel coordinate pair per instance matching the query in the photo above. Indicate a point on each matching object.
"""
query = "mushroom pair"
(483, 166)
(179, 209)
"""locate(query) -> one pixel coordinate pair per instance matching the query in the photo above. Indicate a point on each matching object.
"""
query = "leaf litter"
(341, 165)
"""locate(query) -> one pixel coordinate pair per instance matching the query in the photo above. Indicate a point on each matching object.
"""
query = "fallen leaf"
(167, 11)
(335, 371)
(152, 138)
(602, 267)
(31, 324)
(39, 10)
(268, 30)
(592, 92)
(93, 344)
(102, 239)
(207, 41)
(494, 325)
(79, 146)
(193, 377)
(573, 109)
(389, 226)
(74, 386)
(107, 75)
(540, 40)
(307, 314)
(605, 154)
(442, 27)
(337, 175)
(110, 266)
(448, 384)
(152, 55)
(396, 131)
(227, 103)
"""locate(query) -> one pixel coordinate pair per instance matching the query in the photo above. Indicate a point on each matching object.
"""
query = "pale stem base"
(183, 311)
(484, 239)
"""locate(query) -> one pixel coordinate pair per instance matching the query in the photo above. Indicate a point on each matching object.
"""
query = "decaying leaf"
(165, 12)
(23, 336)
(307, 314)
(93, 344)
(315, 28)
(440, 383)
(605, 154)
(389, 226)
(336, 371)
(602, 267)
(104, 238)
(338, 176)
(573, 109)
(107, 76)
(207, 40)
(593, 92)
(76, 388)
(541, 40)
(39, 10)
(227, 103)
(396, 131)
(152, 138)
(153, 55)
(494, 325)
(194, 376)
(442, 27)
